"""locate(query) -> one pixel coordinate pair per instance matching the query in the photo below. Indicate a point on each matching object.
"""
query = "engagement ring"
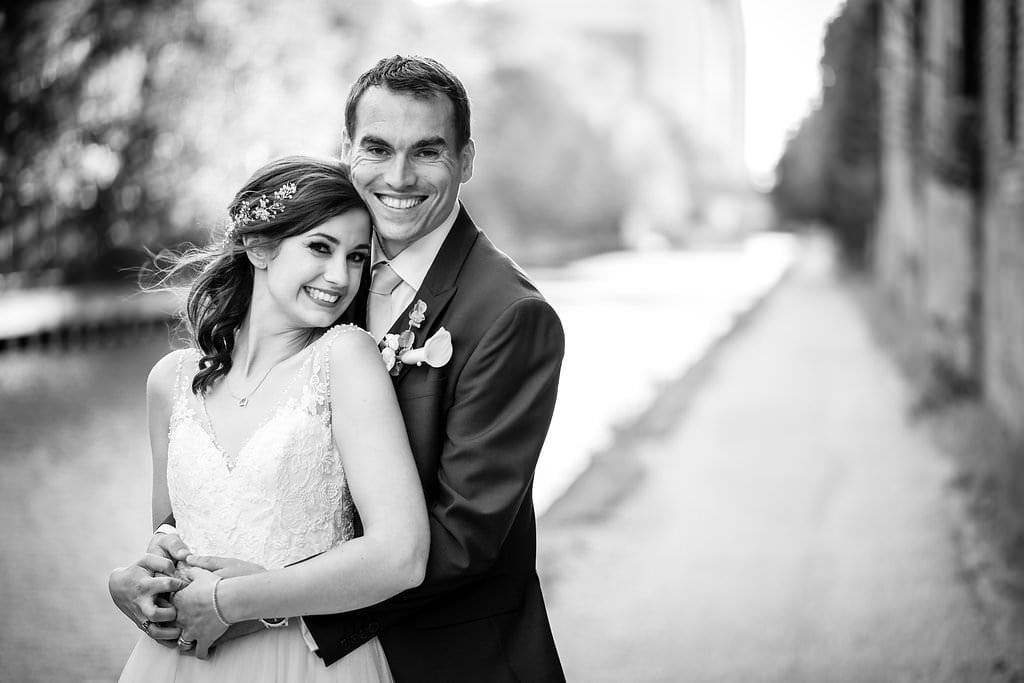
(145, 626)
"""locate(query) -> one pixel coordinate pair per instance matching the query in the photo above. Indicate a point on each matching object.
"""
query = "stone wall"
(1003, 212)
(926, 239)
(949, 243)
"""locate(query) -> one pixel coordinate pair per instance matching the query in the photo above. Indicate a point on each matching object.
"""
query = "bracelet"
(275, 622)
(216, 607)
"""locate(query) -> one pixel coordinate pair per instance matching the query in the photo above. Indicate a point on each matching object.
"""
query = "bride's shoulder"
(164, 373)
(346, 336)
(345, 343)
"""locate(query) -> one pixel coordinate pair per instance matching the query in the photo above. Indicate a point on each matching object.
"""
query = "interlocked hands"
(168, 593)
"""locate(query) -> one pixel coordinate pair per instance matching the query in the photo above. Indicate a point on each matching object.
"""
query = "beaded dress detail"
(282, 498)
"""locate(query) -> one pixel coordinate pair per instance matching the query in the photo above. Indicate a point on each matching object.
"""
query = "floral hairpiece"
(263, 210)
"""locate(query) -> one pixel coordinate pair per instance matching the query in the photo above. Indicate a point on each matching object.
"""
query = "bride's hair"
(286, 197)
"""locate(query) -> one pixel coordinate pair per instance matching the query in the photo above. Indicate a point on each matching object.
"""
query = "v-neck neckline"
(232, 461)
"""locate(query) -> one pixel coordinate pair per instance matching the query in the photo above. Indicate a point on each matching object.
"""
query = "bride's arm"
(391, 554)
(159, 402)
(134, 588)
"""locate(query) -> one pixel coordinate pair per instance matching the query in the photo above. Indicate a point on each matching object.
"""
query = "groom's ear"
(346, 146)
(466, 157)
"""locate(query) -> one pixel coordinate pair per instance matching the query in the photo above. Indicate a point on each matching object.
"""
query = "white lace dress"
(283, 498)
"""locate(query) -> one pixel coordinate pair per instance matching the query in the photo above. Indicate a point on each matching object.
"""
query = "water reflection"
(74, 500)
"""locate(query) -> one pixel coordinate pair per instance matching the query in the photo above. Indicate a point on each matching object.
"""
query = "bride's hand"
(196, 612)
(225, 567)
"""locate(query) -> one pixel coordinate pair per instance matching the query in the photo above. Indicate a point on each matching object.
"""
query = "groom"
(477, 424)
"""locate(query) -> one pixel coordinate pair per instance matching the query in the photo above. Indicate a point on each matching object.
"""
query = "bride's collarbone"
(237, 405)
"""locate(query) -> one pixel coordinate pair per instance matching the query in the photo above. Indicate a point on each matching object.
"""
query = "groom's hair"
(421, 77)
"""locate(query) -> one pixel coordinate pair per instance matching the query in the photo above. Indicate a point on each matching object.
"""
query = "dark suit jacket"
(476, 427)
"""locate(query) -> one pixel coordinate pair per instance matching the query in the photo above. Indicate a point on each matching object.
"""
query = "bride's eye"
(358, 257)
(320, 247)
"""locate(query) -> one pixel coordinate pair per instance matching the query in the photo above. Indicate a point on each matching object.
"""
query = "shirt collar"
(413, 262)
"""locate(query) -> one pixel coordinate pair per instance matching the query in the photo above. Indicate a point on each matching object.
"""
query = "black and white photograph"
(512, 341)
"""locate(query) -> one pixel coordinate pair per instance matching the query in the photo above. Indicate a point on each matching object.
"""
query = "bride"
(270, 431)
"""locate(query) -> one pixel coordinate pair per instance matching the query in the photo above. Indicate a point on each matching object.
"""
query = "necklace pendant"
(243, 402)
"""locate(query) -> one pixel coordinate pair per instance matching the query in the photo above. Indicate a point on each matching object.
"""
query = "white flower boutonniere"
(436, 352)
(396, 350)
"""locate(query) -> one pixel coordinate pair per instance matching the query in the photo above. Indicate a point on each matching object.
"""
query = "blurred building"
(949, 243)
(671, 76)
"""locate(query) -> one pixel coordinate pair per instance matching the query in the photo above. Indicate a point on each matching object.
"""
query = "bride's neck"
(258, 347)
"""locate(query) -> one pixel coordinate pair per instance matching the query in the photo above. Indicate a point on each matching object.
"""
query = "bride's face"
(312, 278)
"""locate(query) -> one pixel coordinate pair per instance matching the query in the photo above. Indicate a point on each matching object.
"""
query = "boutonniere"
(397, 349)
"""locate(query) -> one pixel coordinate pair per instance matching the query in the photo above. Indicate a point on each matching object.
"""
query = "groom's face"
(405, 163)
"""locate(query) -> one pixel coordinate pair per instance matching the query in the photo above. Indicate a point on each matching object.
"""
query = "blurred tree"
(560, 192)
(129, 123)
(78, 88)
(830, 169)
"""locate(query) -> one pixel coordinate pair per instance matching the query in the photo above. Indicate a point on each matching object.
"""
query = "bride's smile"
(312, 277)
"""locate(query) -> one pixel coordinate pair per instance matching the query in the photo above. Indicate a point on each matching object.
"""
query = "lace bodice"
(284, 497)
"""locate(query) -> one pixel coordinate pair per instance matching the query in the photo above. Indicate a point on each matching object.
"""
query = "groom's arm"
(493, 436)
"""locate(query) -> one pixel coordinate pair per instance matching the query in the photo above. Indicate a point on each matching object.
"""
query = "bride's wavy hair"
(286, 197)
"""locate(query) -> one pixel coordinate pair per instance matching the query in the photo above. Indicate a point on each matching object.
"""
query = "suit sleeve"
(494, 431)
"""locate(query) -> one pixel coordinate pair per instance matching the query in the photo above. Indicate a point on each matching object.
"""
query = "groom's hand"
(139, 591)
(168, 545)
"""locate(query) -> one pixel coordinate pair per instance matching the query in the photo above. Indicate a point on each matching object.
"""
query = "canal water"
(74, 455)
(74, 502)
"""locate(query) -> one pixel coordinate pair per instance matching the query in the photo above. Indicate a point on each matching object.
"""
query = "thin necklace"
(243, 400)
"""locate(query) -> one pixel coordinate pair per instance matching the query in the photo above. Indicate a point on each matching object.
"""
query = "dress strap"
(320, 380)
(182, 386)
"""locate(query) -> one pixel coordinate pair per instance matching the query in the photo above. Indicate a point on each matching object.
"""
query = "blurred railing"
(65, 317)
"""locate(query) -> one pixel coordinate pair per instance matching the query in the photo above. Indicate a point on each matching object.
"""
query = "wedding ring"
(186, 644)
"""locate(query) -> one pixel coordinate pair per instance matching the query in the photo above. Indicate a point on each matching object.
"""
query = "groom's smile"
(405, 163)
(400, 203)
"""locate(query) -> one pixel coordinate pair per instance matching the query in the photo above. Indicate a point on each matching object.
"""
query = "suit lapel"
(439, 284)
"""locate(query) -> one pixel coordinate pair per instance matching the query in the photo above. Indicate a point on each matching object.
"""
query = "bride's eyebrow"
(329, 238)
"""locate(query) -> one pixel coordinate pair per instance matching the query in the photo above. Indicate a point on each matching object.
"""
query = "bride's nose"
(336, 271)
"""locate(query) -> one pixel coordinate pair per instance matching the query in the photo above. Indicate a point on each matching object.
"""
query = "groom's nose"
(399, 173)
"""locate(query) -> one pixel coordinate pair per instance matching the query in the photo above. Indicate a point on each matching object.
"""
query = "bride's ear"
(258, 256)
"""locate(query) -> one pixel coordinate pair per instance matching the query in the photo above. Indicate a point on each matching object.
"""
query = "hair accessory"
(263, 209)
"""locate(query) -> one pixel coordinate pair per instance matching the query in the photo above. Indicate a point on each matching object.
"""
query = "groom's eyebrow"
(374, 140)
(436, 141)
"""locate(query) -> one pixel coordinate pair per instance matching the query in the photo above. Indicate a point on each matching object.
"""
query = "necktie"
(383, 281)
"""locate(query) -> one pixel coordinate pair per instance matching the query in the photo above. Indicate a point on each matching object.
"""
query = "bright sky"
(784, 43)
